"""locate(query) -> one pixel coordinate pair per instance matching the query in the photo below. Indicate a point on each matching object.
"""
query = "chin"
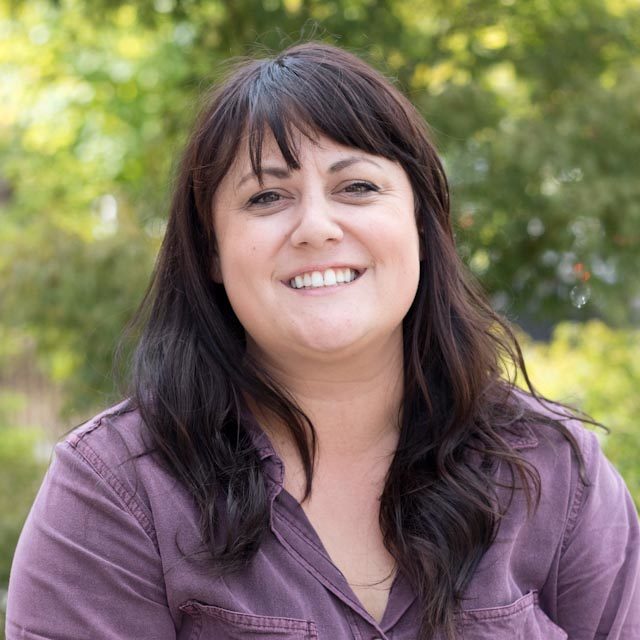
(342, 343)
(330, 338)
(331, 345)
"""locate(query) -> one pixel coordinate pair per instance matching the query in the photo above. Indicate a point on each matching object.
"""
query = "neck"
(354, 403)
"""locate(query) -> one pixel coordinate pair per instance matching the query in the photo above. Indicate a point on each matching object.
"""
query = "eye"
(264, 198)
(361, 187)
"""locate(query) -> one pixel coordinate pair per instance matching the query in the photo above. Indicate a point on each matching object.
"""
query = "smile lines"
(327, 278)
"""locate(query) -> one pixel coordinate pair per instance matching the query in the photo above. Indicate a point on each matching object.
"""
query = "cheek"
(406, 241)
(238, 265)
(247, 272)
(407, 255)
(409, 277)
(239, 250)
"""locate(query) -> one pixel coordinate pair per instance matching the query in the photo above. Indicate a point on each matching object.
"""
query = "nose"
(315, 224)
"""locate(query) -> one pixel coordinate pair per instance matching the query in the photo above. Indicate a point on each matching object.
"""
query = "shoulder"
(91, 552)
(112, 455)
(110, 439)
(553, 438)
(564, 455)
(577, 481)
(587, 521)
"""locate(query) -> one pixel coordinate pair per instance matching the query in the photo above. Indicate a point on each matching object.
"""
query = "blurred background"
(535, 107)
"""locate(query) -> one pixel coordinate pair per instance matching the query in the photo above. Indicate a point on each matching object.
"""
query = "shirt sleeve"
(599, 573)
(85, 566)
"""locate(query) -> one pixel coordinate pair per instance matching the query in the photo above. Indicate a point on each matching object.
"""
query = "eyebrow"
(280, 172)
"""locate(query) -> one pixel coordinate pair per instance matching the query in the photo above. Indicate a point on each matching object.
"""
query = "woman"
(319, 441)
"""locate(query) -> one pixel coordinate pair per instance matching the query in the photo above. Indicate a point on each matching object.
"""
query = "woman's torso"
(292, 587)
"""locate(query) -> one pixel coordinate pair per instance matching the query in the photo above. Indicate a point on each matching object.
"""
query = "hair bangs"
(286, 102)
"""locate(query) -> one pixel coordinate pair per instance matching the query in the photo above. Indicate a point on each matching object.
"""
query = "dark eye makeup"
(358, 188)
(361, 186)
(266, 197)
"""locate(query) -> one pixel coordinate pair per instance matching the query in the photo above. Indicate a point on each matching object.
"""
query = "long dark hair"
(439, 511)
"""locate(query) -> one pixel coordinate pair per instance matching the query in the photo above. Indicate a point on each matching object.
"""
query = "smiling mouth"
(327, 278)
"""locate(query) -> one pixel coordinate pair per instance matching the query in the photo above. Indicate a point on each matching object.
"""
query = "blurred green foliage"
(534, 106)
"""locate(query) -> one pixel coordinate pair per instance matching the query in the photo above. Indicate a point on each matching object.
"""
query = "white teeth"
(317, 279)
(329, 277)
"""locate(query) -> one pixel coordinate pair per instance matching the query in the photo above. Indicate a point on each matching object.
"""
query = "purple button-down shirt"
(102, 555)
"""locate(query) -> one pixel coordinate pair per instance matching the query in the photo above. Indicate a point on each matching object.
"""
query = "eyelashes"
(357, 188)
(264, 198)
(361, 186)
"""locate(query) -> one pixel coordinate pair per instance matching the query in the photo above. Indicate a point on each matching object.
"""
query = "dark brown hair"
(439, 510)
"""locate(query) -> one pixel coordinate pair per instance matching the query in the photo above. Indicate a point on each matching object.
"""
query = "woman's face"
(317, 262)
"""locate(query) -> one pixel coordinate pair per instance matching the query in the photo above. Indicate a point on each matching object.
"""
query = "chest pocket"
(521, 620)
(216, 623)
